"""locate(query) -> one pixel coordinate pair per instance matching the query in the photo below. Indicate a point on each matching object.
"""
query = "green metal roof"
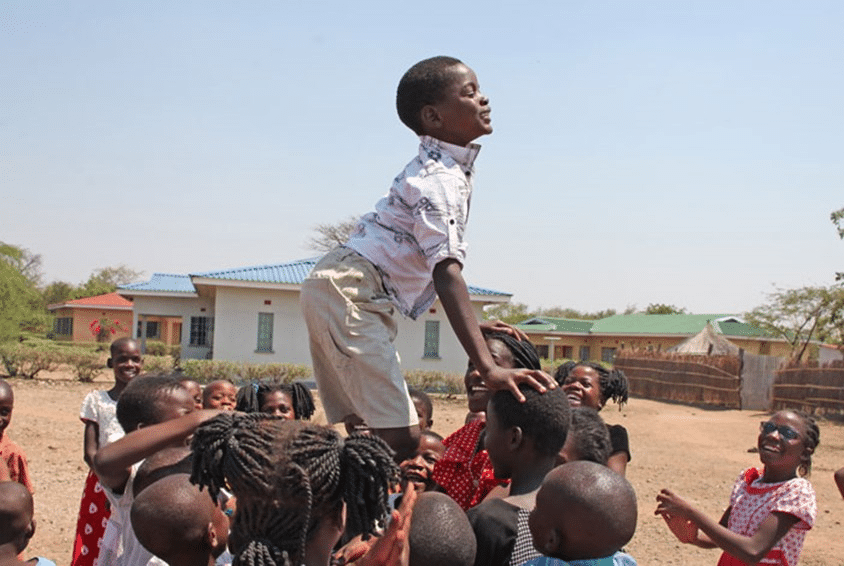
(681, 324)
(553, 324)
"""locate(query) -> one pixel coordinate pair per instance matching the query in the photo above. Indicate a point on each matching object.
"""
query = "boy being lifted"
(402, 256)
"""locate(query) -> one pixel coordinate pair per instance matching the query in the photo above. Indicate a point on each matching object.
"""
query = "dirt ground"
(697, 452)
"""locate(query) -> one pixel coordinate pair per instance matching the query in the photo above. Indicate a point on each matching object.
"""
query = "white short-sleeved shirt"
(419, 223)
(100, 408)
(752, 501)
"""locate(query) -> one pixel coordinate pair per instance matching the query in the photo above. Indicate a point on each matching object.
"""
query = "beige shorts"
(351, 325)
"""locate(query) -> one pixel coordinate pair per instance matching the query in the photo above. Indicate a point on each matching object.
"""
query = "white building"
(252, 314)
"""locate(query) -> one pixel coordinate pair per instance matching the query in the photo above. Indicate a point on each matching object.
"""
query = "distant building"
(74, 318)
(560, 338)
(252, 314)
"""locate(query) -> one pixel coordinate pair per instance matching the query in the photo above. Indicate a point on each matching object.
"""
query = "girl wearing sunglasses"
(770, 509)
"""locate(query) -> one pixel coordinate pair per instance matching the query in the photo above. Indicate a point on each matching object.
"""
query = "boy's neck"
(528, 476)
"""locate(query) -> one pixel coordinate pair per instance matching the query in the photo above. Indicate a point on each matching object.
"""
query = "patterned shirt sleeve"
(799, 500)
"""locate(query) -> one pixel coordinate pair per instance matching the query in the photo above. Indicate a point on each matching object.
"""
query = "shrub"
(206, 371)
(159, 364)
(21, 360)
(85, 364)
(156, 348)
(435, 381)
(176, 352)
(277, 373)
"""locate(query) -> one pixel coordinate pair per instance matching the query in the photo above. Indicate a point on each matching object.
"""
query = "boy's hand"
(499, 378)
(488, 326)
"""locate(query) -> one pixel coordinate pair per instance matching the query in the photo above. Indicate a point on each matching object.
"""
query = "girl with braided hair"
(464, 471)
(770, 510)
(588, 384)
(298, 485)
(293, 401)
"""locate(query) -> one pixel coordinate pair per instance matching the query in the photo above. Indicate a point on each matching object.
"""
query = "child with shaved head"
(440, 532)
(584, 514)
(12, 455)
(16, 525)
(180, 524)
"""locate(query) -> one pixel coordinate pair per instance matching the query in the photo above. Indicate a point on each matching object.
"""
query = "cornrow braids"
(287, 477)
(251, 397)
(813, 438)
(524, 352)
(614, 385)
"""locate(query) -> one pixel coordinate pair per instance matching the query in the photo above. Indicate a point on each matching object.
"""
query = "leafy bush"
(206, 371)
(21, 360)
(159, 364)
(85, 364)
(435, 381)
(176, 352)
(157, 348)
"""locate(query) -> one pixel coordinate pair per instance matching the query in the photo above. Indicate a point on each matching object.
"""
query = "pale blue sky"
(644, 151)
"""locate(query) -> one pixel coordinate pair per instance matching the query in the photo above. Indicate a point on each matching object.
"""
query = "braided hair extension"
(813, 438)
(613, 381)
(251, 397)
(524, 352)
(287, 477)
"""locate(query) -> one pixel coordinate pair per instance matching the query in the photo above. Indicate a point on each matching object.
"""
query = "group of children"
(533, 477)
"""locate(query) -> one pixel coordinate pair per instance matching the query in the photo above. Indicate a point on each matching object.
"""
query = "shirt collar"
(464, 156)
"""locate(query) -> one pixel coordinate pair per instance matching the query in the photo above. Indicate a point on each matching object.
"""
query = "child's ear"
(431, 119)
(210, 537)
(516, 437)
(109, 363)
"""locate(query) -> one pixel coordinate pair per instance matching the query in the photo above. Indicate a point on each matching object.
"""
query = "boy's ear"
(516, 437)
(431, 119)
(109, 363)
(211, 535)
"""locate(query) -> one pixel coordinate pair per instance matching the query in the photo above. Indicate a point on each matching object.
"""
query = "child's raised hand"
(393, 548)
(501, 326)
(671, 504)
(499, 378)
(684, 529)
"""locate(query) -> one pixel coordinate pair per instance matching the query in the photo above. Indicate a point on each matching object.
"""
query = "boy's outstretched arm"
(113, 462)
(454, 295)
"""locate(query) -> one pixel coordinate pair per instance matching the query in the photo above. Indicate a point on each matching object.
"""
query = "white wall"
(184, 307)
(236, 331)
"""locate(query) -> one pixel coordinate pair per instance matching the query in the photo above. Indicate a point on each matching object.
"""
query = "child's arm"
(4, 471)
(748, 549)
(454, 295)
(113, 463)
(91, 442)
(839, 480)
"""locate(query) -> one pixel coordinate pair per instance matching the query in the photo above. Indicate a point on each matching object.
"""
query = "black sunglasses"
(786, 432)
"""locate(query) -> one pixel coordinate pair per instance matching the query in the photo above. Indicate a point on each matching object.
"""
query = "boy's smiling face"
(462, 114)
(7, 404)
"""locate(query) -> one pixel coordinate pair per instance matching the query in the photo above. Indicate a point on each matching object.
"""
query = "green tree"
(20, 301)
(511, 313)
(802, 315)
(58, 292)
(107, 280)
(329, 236)
(659, 308)
(837, 218)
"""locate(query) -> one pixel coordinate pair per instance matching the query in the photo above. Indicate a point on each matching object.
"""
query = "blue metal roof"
(163, 283)
(292, 273)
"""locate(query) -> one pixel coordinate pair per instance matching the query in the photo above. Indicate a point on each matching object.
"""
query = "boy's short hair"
(421, 85)
(112, 349)
(140, 401)
(543, 417)
(172, 515)
(15, 512)
(599, 503)
(440, 532)
(590, 435)
(421, 396)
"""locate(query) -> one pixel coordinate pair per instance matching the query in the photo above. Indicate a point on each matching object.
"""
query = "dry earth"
(698, 452)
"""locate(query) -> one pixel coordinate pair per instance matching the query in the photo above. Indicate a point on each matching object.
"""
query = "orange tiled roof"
(109, 300)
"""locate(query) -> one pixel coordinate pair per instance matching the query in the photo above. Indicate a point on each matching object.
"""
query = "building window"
(584, 353)
(568, 352)
(200, 330)
(265, 332)
(63, 326)
(432, 339)
(607, 355)
(153, 329)
(542, 350)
